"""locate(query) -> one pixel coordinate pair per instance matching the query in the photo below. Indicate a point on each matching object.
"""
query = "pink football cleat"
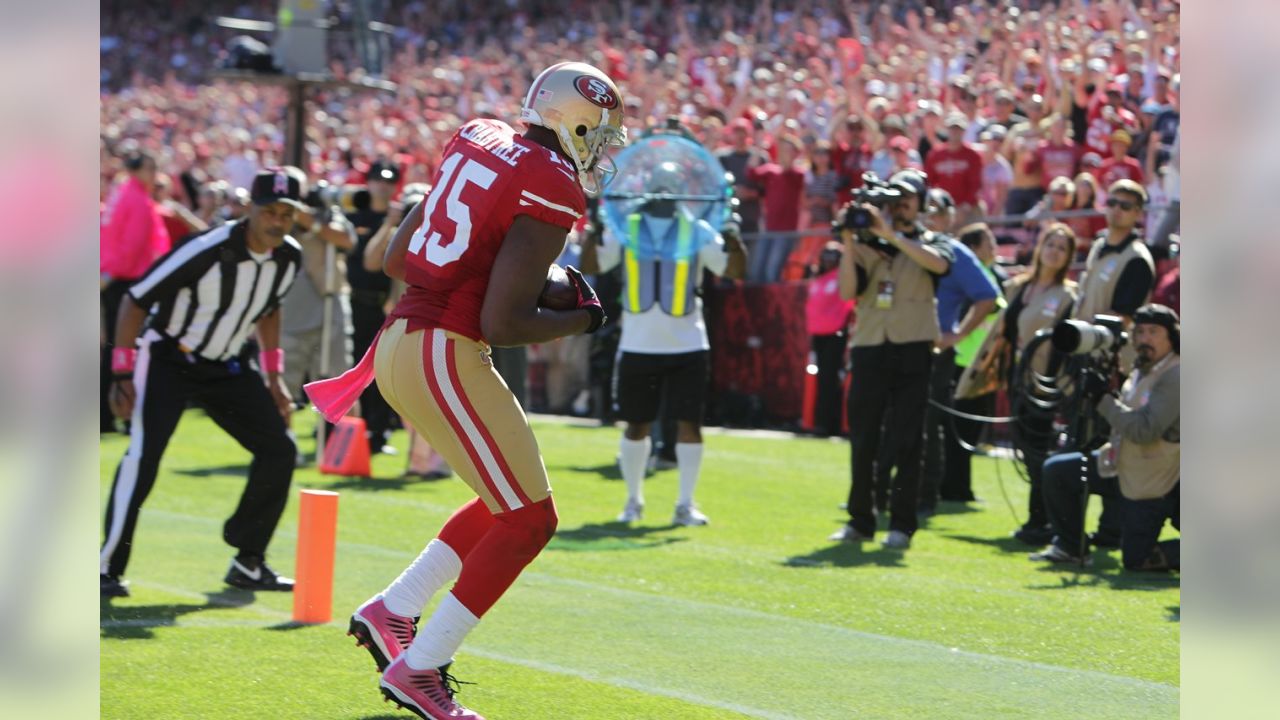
(383, 633)
(426, 693)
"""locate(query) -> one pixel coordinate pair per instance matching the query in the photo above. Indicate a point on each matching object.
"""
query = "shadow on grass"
(1005, 543)
(379, 484)
(1175, 613)
(847, 555)
(292, 625)
(241, 470)
(135, 622)
(1106, 571)
(612, 536)
(607, 471)
(949, 507)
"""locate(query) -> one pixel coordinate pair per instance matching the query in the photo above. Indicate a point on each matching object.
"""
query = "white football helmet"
(583, 107)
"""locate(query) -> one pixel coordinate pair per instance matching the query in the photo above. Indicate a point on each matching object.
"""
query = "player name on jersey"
(499, 144)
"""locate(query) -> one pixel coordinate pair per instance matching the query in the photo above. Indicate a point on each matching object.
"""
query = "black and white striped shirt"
(208, 292)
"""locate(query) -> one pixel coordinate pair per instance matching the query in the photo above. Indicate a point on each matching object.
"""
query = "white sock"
(437, 566)
(632, 456)
(689, 458)
(442, 636)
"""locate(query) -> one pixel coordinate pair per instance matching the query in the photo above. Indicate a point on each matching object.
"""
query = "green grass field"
(754, 616)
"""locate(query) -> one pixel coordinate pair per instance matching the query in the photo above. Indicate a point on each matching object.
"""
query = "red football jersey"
(488, 175)
(1125, 168)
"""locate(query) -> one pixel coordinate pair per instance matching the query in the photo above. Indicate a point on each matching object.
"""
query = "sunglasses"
(1122, 204)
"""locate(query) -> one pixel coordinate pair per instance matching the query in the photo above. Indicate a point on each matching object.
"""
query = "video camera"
(856, 218)
(1106, 334)
(875, 192)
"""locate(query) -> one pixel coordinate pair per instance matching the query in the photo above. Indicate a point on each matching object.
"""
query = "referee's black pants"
(236, 398)
(894, 379)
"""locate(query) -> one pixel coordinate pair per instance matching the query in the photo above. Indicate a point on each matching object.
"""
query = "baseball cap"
(1162, 315)
(278, 184)
(957, 120)
(1115, 86)
(912, 181)
(893, 122)
(901, 142)
(384, 170)
(1122, 136)
(939, 199)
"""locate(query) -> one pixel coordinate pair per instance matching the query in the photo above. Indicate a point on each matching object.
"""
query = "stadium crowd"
(1022, 111)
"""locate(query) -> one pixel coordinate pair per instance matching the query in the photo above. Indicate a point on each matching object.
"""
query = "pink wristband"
(123, 359)
(272, 360)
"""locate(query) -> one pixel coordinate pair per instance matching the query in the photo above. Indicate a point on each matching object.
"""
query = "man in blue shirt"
(966, 286)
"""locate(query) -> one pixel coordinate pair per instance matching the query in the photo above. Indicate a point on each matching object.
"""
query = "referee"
(195, 309)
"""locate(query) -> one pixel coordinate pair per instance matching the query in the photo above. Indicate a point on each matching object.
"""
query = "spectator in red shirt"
(781, 184)
(1058, 154)
(956, 168)
(1107, 114)
(1088, 197)
(850, 156)
(178, 221)
(1120, 166)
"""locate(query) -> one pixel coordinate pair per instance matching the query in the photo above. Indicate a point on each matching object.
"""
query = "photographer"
(1118, 277)
(892, 270)
(1139, 467)
(1119, 272)
(370, 291)
(322, 230)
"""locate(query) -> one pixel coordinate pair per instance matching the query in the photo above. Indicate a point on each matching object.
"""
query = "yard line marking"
(701, 606)
(478, 652)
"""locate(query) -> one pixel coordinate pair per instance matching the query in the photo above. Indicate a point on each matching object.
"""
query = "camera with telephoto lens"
(1105, 334)
(323, 196)
(875, 192)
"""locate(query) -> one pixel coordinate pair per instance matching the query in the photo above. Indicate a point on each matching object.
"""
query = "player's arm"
(511, 315)
(393, 261)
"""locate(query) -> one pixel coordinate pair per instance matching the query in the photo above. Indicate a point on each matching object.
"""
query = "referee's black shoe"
(111, 586)
(252, 573)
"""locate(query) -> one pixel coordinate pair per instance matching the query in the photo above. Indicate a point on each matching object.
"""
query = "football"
(558, 293)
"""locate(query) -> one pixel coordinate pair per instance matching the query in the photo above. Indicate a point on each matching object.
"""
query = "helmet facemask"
(590, 152)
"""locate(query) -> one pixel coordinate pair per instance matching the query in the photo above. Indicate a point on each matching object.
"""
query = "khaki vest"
(1151, 470)
(671, 283)
(1044, 310)
(1098, 286)
(913, 316)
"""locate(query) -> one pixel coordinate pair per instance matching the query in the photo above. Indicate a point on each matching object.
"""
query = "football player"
(475, 254)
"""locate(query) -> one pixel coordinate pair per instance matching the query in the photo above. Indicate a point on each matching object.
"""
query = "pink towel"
(335, 396)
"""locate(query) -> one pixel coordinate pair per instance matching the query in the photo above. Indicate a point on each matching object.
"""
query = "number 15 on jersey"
(428, 240)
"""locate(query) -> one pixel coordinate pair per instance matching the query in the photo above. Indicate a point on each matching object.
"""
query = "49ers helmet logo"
(596, 90)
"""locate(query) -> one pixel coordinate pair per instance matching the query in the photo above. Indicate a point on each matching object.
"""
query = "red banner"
(759, 347)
